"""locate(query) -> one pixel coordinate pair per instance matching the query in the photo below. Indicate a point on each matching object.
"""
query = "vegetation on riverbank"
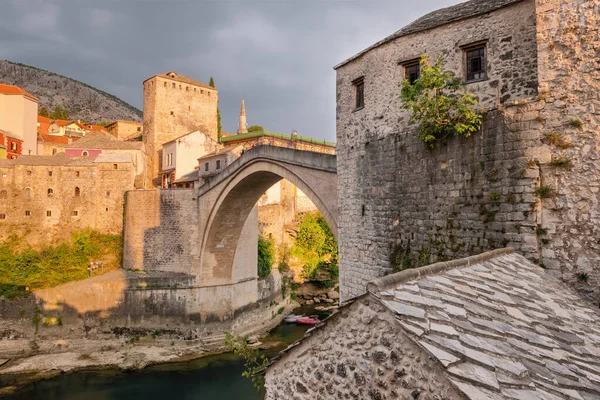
(316, 248)
(266, 255)
(23, 269)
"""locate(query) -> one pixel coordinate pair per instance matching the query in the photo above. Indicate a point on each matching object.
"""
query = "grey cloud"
(278, 55)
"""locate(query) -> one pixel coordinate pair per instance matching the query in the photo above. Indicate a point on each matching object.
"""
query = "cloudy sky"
(278, 55)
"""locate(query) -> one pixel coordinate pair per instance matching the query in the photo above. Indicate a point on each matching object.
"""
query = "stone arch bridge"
(206, 237)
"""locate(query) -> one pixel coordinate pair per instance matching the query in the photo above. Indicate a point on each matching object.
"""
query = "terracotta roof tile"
(12, 90)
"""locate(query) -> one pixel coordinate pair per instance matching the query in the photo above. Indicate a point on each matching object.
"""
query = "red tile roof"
(10, 89)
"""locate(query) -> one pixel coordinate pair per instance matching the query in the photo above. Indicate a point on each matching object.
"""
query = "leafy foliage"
(43, 112)
(440, 104)
(59, 113)
(256, 128)
(52, 266)
(254, 361)
(266, 254)
(316, 247)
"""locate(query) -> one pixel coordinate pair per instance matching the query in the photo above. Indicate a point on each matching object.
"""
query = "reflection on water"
(215, 377)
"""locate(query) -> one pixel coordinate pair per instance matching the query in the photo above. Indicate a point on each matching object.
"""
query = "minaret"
(243, 128)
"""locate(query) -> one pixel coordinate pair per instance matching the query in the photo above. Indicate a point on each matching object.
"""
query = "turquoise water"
(215, 377)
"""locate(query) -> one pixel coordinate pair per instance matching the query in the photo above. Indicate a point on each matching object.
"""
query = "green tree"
(255, 362)
(316, 247)
(256, 128)
(211, 83)
(43, 112)
(59, 113)
(439, 102)
(266, 254)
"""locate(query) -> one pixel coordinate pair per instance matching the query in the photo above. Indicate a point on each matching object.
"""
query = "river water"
(215, 377)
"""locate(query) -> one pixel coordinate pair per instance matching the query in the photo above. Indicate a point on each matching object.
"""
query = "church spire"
(243, 126)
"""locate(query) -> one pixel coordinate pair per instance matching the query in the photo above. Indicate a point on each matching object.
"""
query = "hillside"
(81, 101)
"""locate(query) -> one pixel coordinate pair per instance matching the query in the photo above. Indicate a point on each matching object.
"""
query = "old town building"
(18, 111)
(126, 130)
(45, 198)
(529, 179)
(11, 145)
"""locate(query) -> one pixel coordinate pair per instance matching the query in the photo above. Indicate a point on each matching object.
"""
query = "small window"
(206, 166)
(27, 213)
(359, 93)
(48, 213)
(53, 152)
(49, 173)
(13, 146)
(165, 84)
(201, 91)
(173, 85)
(106, 209)
(50, 192)
(179, 87)
(85, 154)
(195, 90)
(172, 113)
(77, 173)
(412, 72)
(187, 88)
(28, 192)
(3, 194)
(77, 192)
(476, 63)
(2, 216)
(115, 166)
(139, 129)
(75, 213)
(218, 164)
(28, 172)
(107, 193)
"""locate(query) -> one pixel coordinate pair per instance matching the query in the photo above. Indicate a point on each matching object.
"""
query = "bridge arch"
(227, 200)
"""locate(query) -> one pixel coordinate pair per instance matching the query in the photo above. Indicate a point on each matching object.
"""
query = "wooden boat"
(307, 321)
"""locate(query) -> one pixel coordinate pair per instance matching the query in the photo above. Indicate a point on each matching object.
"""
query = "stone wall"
(346, 361)
(83, 195)
(125, 129)
(568, 108)
(405, 205)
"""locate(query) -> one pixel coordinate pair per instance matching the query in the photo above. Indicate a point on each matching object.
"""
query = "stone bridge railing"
(302, 158)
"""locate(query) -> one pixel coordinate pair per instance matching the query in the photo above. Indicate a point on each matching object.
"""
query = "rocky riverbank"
(311, 294)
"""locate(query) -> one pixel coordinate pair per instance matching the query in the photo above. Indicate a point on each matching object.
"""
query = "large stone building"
(175, 105)
(18, 111)
(46, 198)
(125, 130)
(529, 179)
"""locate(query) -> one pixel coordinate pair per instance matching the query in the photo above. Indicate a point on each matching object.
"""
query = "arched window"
(85, 154)
(3, 194)
(28, 192)
(50, 192)
(77, 192)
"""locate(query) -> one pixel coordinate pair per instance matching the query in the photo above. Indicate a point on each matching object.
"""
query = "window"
(218, 164)
(195, 90)
(206, 166)
(77, 173)
(187, 88)
(476, 63)
(13, 146)
(77, 192)
(53, 152)
(48, 213)
(49, 173)
(179, 87)
(2, 216)
(115, 166)
(170, 159)
(172, 113)
(50, 192)
(173, 85)
(108, 194)
(27, 213)
(412, 71)
(106, 209)
(75, 213)
(165, 84)
(3, 194)
(28, 193)
(139, 128)
(28, 172)
(359, 93)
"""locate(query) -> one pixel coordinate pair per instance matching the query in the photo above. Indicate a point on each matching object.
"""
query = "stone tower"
(175, 105)
(243, 125)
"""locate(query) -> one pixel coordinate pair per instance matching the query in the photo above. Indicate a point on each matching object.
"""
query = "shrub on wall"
(266, 254)
(439, 102)
(316, 248)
